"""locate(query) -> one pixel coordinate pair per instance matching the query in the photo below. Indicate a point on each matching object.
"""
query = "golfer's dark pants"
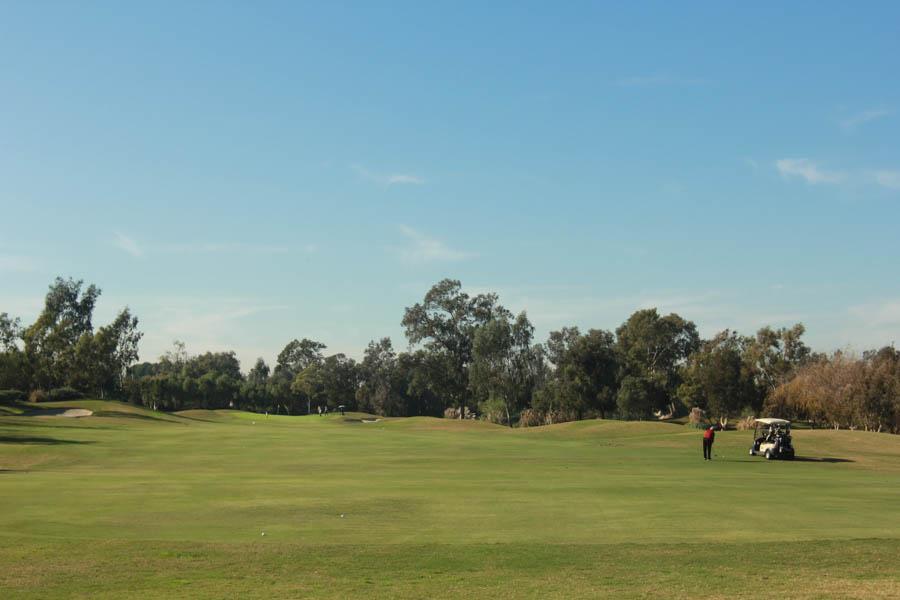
(707, 448)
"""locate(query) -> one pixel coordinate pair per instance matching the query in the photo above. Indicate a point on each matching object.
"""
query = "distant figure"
(342, 409)
(325, 410)
(708, 436)
(319, 408)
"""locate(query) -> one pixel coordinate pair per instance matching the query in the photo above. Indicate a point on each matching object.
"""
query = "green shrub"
(493, 410)
(64, 393)
(11, 396)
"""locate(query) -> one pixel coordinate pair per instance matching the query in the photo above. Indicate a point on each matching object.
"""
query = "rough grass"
(132, 502)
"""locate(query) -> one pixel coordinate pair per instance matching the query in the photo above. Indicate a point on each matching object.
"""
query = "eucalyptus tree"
(308, 382)
(559, 343)
(294, 358)
(10, 332)
(49, 343)
(445, 324)
(775, 355)
(340, 379)
(259, 373)
(589, 369)
(718, 378)
(14, 371)
(653, 348)
(502, 362)
(298, 355)
(378, 390)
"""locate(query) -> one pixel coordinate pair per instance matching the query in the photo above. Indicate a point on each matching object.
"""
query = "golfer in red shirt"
(708, 438)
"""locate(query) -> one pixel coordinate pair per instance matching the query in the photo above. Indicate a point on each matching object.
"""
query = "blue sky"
(242, 174)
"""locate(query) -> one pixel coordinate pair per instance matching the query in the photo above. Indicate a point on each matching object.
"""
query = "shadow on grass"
(60, 424)
(822, 459)
(128, 415)
(38, 440)
(14, 408)
(177, 416)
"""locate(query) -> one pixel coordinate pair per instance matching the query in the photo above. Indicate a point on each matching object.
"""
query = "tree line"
(467, 356)
(62, 351)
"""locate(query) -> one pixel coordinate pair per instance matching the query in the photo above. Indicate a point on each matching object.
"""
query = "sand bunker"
(61, 412)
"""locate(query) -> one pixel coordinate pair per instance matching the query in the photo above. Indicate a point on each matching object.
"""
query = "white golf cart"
(772, 439)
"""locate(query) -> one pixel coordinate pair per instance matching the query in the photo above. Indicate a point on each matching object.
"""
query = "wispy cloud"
(878, 314)
(873, 324)
(712, 310)
(814, 174)
(863, 117)
(808, 170)
(422, 249)
(231, 247)
(138, 250)
(653, 80)
(390, 178)
(128, 244)
(400, 178)
(888, 179)
(203, 323)
(11, 263)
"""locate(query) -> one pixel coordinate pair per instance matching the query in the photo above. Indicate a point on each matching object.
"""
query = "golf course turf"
(135, 503)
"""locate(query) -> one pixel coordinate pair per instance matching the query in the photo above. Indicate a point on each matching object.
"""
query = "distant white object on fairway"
(264, 533)
(342, 515)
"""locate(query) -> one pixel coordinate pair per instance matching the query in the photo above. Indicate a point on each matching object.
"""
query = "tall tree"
(410, 382)
(653, 348)
(776, 354)
(50, 342)
(10, 332)
(298, 355)
(502, 361)
(220, 363)
(309, 383)
(259, 373)
(589, 371)
(718, 379)
(445, 323)
(340, 379)
(637, 397)
(117, 349)
(377, 371)
(14, 371)
(559, 343)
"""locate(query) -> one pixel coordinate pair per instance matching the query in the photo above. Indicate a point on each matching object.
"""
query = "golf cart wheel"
(769, 455)
(751, 451)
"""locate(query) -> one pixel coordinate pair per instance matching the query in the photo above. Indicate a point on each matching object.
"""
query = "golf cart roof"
(773, 421)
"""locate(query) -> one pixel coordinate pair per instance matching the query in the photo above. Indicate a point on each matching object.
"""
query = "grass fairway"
(132, 503)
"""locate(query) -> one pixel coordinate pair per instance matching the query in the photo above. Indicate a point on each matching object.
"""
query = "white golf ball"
(342, 515)
(264, 533)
